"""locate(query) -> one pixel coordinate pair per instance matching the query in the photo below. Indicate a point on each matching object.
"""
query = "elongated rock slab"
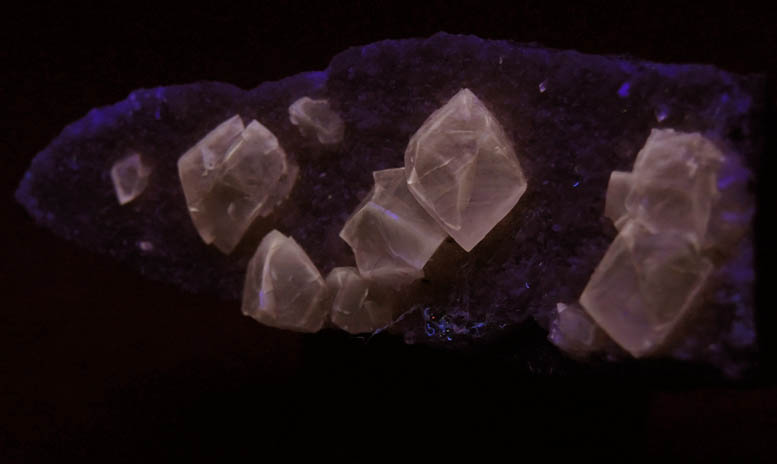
(573, 119)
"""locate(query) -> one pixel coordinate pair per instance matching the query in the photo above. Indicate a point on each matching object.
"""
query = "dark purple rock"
(573, 118)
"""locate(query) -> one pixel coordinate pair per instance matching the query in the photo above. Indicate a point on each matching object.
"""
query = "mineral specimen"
(315, 117)
(562, 112)
(391, 236)
(232, 176)
(283, 288)
(358, 305)
(575, 332)
(655, 269)
(130, 177)
(462, 169)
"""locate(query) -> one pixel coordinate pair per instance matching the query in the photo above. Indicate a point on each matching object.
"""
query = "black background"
(96, 362)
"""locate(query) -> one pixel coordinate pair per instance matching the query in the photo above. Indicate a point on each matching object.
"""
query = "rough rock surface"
(576, 118)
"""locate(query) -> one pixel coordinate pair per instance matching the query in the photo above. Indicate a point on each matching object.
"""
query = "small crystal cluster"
(462, 177)
(655, 269)
(232, 176)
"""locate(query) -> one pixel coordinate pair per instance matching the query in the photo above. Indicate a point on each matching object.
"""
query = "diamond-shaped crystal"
(358, 305)
(231, 177)
(392, 237)
(283, 287)
(130, 178)
(463, 170)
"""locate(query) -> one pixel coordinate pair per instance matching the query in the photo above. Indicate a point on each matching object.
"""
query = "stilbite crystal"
(130, 178)
(655, 268)
(463, 170)
(392, 237)
(315, 117)
(283, 287)
(357, 306)
(232, 176)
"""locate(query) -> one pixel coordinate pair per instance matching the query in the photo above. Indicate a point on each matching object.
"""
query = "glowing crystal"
(357, 304)
(463, 170)
(130, 178)
(315, 117)
(283, 287)
(392, 237)
(231, 177)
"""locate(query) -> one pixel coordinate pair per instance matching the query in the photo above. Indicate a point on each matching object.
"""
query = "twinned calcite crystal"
(130, 178)
(357, 304)
(462, 168)
(392, 237)
(316, 118)
(232, 176)
(655, 269)
(283, 288)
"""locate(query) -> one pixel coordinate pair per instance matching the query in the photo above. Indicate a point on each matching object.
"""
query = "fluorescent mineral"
(574, 331)
(357, 304)
(130, 178)
(656, 267)
(392, 237)
(462, 168)
(315, 117)
(283, 287)
(232, 176)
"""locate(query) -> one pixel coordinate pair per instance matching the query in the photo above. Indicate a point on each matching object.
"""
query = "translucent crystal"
(644, 285)
(674, 183)
(357, 305)
(654, 269)
(232, 176)
(315, 117)
(130, 178)
(574, 331)
(463, 170)
(392, 237)
(283, 287)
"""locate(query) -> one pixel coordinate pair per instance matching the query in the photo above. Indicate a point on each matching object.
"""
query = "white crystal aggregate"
(232, 176)
(357, 304)
(391, 235)
(654, 271)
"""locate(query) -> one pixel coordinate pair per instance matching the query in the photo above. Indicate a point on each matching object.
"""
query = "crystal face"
(283, 287)
(315, 117)
(392, 237)
(463, 170)
(232, 176)
(574, 331)
(357, 305)
(130, 178)
(655, 268)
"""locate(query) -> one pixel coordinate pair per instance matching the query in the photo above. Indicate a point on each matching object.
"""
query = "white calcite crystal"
(392, 237)
(315, 117)
(655, 269)
(130, 178)
(358, 305)
(463, 170)
(574, 331)
(232, 176)
(283, 287)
